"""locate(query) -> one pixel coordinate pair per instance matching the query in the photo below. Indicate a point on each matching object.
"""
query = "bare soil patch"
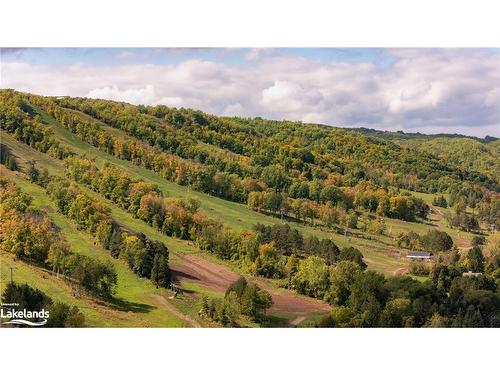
(218, 278)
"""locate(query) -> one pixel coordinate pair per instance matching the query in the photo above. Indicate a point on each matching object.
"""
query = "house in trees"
(419, 255)
(471, 274)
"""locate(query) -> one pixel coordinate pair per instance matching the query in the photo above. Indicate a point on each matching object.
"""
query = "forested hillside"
(465, 153)
(176, 198)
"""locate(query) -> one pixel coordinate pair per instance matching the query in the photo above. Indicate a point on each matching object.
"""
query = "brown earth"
(213, 276)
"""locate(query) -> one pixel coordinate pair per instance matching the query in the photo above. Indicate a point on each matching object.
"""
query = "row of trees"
(288, 241)
(18, 118)
(145, 257)
(401, 207)
(30, 235)
(172, 216)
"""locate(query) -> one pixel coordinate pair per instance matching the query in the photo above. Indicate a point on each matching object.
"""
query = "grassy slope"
(57, 289)
(185, 304)
(133, 304)
(234, 214)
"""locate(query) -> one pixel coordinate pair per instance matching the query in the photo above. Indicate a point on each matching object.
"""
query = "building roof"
(422, 254)
(470, 273)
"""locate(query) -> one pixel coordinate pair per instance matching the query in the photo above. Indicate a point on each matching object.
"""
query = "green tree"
(312, 277)
(331, 194)
(397, 313)
(342, 276)
(435, 241)
(352, 254)
(475, 259)
(254, 301)
(160, 273)
(342, 316)
(368, 296)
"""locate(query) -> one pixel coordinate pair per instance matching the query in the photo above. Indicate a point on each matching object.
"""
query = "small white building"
(421, 255)
(471, 274)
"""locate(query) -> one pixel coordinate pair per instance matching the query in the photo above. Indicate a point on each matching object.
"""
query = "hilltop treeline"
(466, 153)
(303, 151)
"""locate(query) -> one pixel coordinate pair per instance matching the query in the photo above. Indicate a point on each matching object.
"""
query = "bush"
(435, 241)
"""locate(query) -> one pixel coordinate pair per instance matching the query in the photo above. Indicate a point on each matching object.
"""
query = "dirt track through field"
(161, 300)
(218, 278)
(400, 271)
(460, 242)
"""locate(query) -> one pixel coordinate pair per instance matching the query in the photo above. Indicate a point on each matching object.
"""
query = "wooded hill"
(304, 207)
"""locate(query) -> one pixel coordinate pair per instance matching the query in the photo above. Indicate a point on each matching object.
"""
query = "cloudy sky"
(414, 90)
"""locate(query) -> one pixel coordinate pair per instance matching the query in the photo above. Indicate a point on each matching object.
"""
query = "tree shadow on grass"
(177, 276)
(127, 306)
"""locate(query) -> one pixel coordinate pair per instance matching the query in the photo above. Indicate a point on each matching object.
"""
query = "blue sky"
(162, 56)
(414, 90)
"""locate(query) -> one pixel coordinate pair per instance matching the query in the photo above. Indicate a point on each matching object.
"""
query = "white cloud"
(143, 95)
(235, 109)
(423, 90)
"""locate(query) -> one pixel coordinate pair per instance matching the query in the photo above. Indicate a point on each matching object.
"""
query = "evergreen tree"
(475, 259)
(160, 273)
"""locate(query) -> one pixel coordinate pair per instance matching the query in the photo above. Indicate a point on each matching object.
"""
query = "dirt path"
(460, 242)
(218, 278)
(195, 269)
(162, 301)
(297, 320)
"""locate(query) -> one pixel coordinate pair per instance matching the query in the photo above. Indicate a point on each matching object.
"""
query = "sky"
(413, 90)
